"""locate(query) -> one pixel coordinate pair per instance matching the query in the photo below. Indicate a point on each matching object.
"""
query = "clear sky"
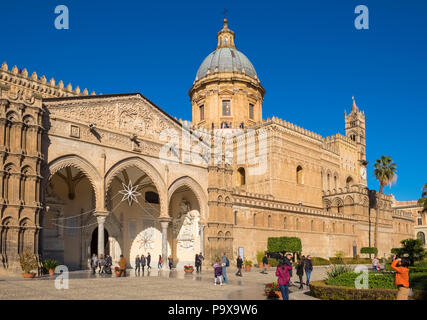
(308, 56)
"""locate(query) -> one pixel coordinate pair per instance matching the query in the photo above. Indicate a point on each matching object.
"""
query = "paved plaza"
(154, 285)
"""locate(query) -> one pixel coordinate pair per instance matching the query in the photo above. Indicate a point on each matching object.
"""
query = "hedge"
(320, 290)
(369, 250)
(318, 261)
(284, 244)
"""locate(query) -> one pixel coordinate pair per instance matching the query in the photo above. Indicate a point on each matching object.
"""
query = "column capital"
(100, 213)
(101, 219)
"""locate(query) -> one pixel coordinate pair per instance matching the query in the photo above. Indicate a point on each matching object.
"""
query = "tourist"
(159, 264)
(148, 261)
(197, 263)
(122, 266)
(308, 267)
(300, 271)
(217, 272)
(224, 263)
(239, 263)
(283, 277)
(94, 263)
(401, 277)
(201, 258)
(170, 260)
(143, 262)
(101, 263)
(138, 264)
(375, 264)
(265, 263)
(108, 264)
(288, 262)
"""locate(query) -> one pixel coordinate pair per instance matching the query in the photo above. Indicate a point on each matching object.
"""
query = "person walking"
(137, 265)
(94, 263)
(108, 263)
(308, 267)
(375, 264)
(401, 278)
(283, 277)
(217, 272)
(101, 263)
(300, 271)
(239, 263)
(197, 263)
(170, 260)
(225, 263)
(201, 258)
(264, 263)
(160, 263)
(122, 266)
(148, 261)
(143, 262)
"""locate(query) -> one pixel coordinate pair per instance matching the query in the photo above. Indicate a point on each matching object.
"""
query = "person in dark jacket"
(308, 267)
(137, 265)
(201, 258)
(143, 262)
(148, 261)
(170, 260)
(265, 263)
(197, 263)
(239, 263)
(300, 271)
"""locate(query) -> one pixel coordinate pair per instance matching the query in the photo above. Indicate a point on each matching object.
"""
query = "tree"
(284, 244)
(369, 250)
(385, 172)
(423, 200)
(413, 248)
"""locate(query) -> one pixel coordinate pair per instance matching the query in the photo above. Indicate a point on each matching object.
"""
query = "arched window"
(422, 237)
(312, 225)
(269, 221)
(333, 227)
(349, 181)
(324, 226)
(335, 182)
(284, 223)
(235, 217)
(297, 224)
(340, 208)
(241, 177)
(254, 219)
(152, 197)
(329, 181)
(299, 175)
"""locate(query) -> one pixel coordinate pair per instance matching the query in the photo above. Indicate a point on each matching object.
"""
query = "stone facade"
(420, 217)
(68, 157)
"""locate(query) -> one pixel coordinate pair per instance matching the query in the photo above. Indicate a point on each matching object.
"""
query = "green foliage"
(414, 248)
(284, 244)
(28, 262)
(418, 280)
(384, 171)
(247, 263)
(318, 261)
(337, 270)
(376, 280)
(395, 250)
(50, 264)
(369, 250)
(423, 200)
(259, 256)
(273, 262)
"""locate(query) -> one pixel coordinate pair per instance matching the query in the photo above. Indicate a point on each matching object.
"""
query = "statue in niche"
(186, 226)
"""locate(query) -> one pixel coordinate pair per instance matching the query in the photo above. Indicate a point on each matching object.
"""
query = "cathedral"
(85, 173)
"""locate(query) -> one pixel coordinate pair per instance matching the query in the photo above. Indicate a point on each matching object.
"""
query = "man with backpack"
(224, 263)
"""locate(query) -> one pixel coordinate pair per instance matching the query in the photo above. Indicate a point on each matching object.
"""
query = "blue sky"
(308, 55)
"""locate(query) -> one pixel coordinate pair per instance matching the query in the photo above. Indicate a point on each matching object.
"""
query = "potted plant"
(50, 265)
(248, 265)
(117, 271)
(188, 269)
(28, 263)
(272, 290)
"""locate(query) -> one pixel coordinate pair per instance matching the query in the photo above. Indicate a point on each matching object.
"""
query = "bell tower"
(355, 129)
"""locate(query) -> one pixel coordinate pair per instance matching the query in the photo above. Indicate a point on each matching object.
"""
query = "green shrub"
(273, 262)
(318, 261)
(50, 264)
(414, 248)
(418, 280)
(369, 250)
(284, 244)
(335, 260)
(28, 262)
(376, 280)
(259, 256)
(337, 270)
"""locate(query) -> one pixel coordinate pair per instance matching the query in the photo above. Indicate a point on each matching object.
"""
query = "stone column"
(164, 225)
(101, 220)
(202, 239)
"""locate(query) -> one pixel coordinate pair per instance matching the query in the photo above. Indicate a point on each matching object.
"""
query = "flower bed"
(320, 290)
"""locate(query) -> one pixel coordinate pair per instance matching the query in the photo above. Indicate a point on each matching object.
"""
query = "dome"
(226, 59)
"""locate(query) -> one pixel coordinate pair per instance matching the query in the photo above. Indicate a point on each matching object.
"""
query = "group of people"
(102, 263)
(141, 262)
(220, 269)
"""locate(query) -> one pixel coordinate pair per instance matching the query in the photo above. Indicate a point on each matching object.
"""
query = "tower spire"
(354, 108)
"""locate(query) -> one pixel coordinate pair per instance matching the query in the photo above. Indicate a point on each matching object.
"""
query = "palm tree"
(385, 172)
(423, 200)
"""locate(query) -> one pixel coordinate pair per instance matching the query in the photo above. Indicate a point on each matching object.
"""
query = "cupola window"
(202, 112)
(226, 108)
(251, 111)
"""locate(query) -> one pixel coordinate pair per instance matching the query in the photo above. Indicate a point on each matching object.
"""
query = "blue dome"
(226, 60)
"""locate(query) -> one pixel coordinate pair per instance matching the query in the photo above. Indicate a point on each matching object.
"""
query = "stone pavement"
(153, 285)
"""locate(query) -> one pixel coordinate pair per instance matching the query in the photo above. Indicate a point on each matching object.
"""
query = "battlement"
(39, 84)
(294, 127)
